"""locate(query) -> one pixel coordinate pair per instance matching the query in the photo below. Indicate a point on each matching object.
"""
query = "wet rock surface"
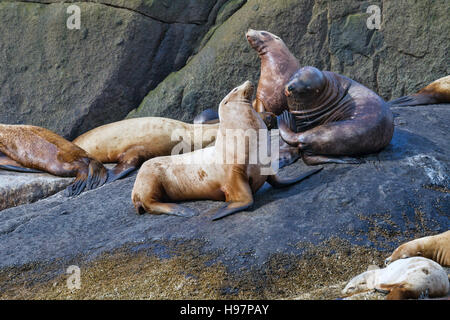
(322, 231)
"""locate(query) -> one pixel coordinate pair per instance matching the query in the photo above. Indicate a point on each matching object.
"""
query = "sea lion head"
(306, 84)
(239, 97)
(259, 40)
(410, 249)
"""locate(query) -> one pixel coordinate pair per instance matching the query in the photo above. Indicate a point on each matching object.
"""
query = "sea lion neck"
(332, 103)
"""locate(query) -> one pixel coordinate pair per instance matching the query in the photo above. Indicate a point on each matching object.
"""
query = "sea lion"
(216, 173)
(335, 117)
(278, 64)
(410, 278)
(130, 142)
(33, 149)
(435, 247)
(436, 92)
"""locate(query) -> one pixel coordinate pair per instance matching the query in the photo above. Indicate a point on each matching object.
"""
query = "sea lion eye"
(264, 34)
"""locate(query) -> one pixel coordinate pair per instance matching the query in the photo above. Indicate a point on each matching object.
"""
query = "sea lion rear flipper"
(277, 182)
(19, 169)
(412, 100)
(165, 208)
(207, 116)
(96, 177)
(6, 163)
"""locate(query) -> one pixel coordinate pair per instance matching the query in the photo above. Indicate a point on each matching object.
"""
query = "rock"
(312, 235)
(20, 188)
(407, 53)
(71, 81)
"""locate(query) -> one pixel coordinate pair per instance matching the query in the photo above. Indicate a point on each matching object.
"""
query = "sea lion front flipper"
(207, 116)
(230, 208)
(313, 160)
(287, 129)
(129, 161)
(238, 193)
(277, 182)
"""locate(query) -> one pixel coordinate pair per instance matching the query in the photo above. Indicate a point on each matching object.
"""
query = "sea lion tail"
(412, 100)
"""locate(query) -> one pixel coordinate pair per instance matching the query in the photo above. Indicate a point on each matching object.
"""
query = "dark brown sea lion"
(215, 172)
(435, 247)
(436, 92)
(336, 117)
(131, 142)
(33, 149)
(278, 64)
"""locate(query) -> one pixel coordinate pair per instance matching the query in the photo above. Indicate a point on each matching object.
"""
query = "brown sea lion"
(403, 279)
(131, 142)
(216, 173)
(33, 149)
(335, 116)
(278, 64)
(436, 92)
(435, 247)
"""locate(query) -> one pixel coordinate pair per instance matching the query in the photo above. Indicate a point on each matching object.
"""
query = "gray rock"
(20, 188)
(70, 81)
(396, 195)
(408, 52)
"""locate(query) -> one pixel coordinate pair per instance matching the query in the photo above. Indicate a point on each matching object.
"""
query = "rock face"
(408, 52)
(396, 195)
(71, 81)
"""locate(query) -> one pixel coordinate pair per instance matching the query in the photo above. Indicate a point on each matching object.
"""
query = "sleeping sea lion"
(216, 173)
(131, 142)
(28, 148)
(436, 92)
(435, 247)
(335, 117)
(410, 278)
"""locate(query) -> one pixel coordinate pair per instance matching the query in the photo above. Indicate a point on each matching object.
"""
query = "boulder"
(70, 80)
(408, 52)
(305, 241)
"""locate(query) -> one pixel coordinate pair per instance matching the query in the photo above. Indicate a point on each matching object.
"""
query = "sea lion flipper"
(97, 175)
(285, 126)
(156, 207)
(76, 187)
(230, 208)
(207, 116)
(412, 100)
(19, 169)
(277, 182)
(316, 160)
(129, 161)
